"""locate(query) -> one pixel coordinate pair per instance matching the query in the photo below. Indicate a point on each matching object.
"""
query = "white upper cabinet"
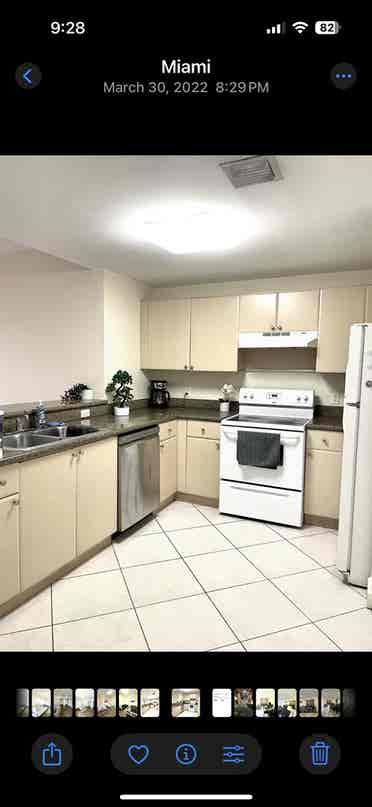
(165, 334)
(286, 311)
(214, 334)
(298, 311)
(340, 308)
(257, 312)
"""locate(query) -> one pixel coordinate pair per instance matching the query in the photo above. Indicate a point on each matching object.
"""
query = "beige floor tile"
(197, 540)
(319, 594)
(104, 561)
(249, 533)
(82, 597)
(297, 532)
(223, 569)
(231, 648)
(148, 527)
(278, 559)
(189, 624)
(34, 613)
(256, 609)
(27, 641)
(322, 547)
(141, 549)
(179, 516)
(352, 632)
(159, 582)
(110, 633)
(302, 640)
(214, 515)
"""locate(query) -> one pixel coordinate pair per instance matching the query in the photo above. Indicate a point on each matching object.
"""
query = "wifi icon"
(300, 27)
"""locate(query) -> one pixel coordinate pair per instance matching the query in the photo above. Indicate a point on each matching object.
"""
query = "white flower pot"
(87, 395)
(121, 411)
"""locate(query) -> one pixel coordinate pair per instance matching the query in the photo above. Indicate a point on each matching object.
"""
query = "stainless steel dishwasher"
(139, 476)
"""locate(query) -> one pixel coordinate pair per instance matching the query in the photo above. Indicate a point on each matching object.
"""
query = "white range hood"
(278, 339)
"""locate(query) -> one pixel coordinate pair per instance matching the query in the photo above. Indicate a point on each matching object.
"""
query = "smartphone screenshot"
(185, 407)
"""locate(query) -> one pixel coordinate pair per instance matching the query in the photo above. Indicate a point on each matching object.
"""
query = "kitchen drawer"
(203, 428)
(167, 430)
(328, 441)
(9, 481)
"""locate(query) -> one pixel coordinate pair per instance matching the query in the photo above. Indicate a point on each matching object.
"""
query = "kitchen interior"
(185, 412)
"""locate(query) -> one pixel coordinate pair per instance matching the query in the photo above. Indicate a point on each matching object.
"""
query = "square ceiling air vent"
(252, 171)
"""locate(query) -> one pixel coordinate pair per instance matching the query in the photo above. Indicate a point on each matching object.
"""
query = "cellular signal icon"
(277, 29)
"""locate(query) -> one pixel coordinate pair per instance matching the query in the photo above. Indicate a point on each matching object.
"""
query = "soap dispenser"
(40, 416)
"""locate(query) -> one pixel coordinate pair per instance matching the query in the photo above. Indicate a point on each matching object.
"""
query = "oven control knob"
(306, 398)
(298, 398)
(251, 397)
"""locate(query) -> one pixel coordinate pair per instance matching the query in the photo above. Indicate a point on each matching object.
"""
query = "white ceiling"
(318, 218)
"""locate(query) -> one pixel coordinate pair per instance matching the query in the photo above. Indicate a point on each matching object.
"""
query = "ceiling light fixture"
(189, 228)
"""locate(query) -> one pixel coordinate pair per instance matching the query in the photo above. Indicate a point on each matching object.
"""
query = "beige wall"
(51, 315)
(122, 312)
(286, 283)
(329, 389)
(61, 324)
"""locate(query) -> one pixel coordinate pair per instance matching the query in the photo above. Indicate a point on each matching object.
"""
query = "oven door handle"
(286, 441)
(265, 492)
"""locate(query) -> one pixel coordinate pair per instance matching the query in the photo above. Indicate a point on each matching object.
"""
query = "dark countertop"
(328, 423)
(110, 426)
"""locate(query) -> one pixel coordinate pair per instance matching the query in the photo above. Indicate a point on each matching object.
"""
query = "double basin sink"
(27, 440)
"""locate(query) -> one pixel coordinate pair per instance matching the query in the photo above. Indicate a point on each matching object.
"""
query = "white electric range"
(268, 494)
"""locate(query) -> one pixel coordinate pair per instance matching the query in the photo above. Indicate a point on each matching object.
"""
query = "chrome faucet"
(23, 422)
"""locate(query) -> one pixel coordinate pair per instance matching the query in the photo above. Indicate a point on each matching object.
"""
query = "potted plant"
(121, 390)
(76, 393)
(226, 393)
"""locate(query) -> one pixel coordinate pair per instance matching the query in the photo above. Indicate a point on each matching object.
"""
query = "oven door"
(289, 475)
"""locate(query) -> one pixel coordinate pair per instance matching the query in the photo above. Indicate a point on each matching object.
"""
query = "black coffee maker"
(159, 395)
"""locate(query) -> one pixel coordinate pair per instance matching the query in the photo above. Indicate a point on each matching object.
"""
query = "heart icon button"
(138, 753)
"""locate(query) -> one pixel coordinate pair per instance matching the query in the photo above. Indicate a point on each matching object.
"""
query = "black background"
(280, 774)
(68, 112)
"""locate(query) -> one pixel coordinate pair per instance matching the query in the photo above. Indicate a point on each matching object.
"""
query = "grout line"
(134, 607)
(23, 630)
(206, 593)
(309, 621)
(93, 616)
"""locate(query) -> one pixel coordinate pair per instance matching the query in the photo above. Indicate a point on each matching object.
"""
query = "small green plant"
(121, 388)
(73, 393)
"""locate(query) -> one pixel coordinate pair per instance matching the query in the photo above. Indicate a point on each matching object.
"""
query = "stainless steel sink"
(25, 441)
(72, 430)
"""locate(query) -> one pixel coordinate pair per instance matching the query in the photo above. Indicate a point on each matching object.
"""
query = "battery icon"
(327, 27)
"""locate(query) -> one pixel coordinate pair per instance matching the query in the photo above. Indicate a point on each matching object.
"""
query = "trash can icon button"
(320, 753)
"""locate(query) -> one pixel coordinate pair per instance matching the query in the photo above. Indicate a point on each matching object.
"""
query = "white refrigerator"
(354, 549)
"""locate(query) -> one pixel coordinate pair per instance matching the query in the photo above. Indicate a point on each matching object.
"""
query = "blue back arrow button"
(26, 75)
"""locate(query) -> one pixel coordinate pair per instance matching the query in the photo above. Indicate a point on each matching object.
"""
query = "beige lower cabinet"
(9, 548)
(96, 494)
(168, 468)
(47, 516)
(202, 467)
(323, 479)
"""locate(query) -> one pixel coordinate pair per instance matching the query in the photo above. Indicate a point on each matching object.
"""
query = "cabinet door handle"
(217, 446)
(325, 441)
(3, 482)
(273, 327)
(203, 430)
(185, 367)
(15, 503)
(191, 366)
(161, 445)
(280, 327)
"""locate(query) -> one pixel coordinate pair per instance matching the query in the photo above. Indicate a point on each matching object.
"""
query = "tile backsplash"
(329, 388)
